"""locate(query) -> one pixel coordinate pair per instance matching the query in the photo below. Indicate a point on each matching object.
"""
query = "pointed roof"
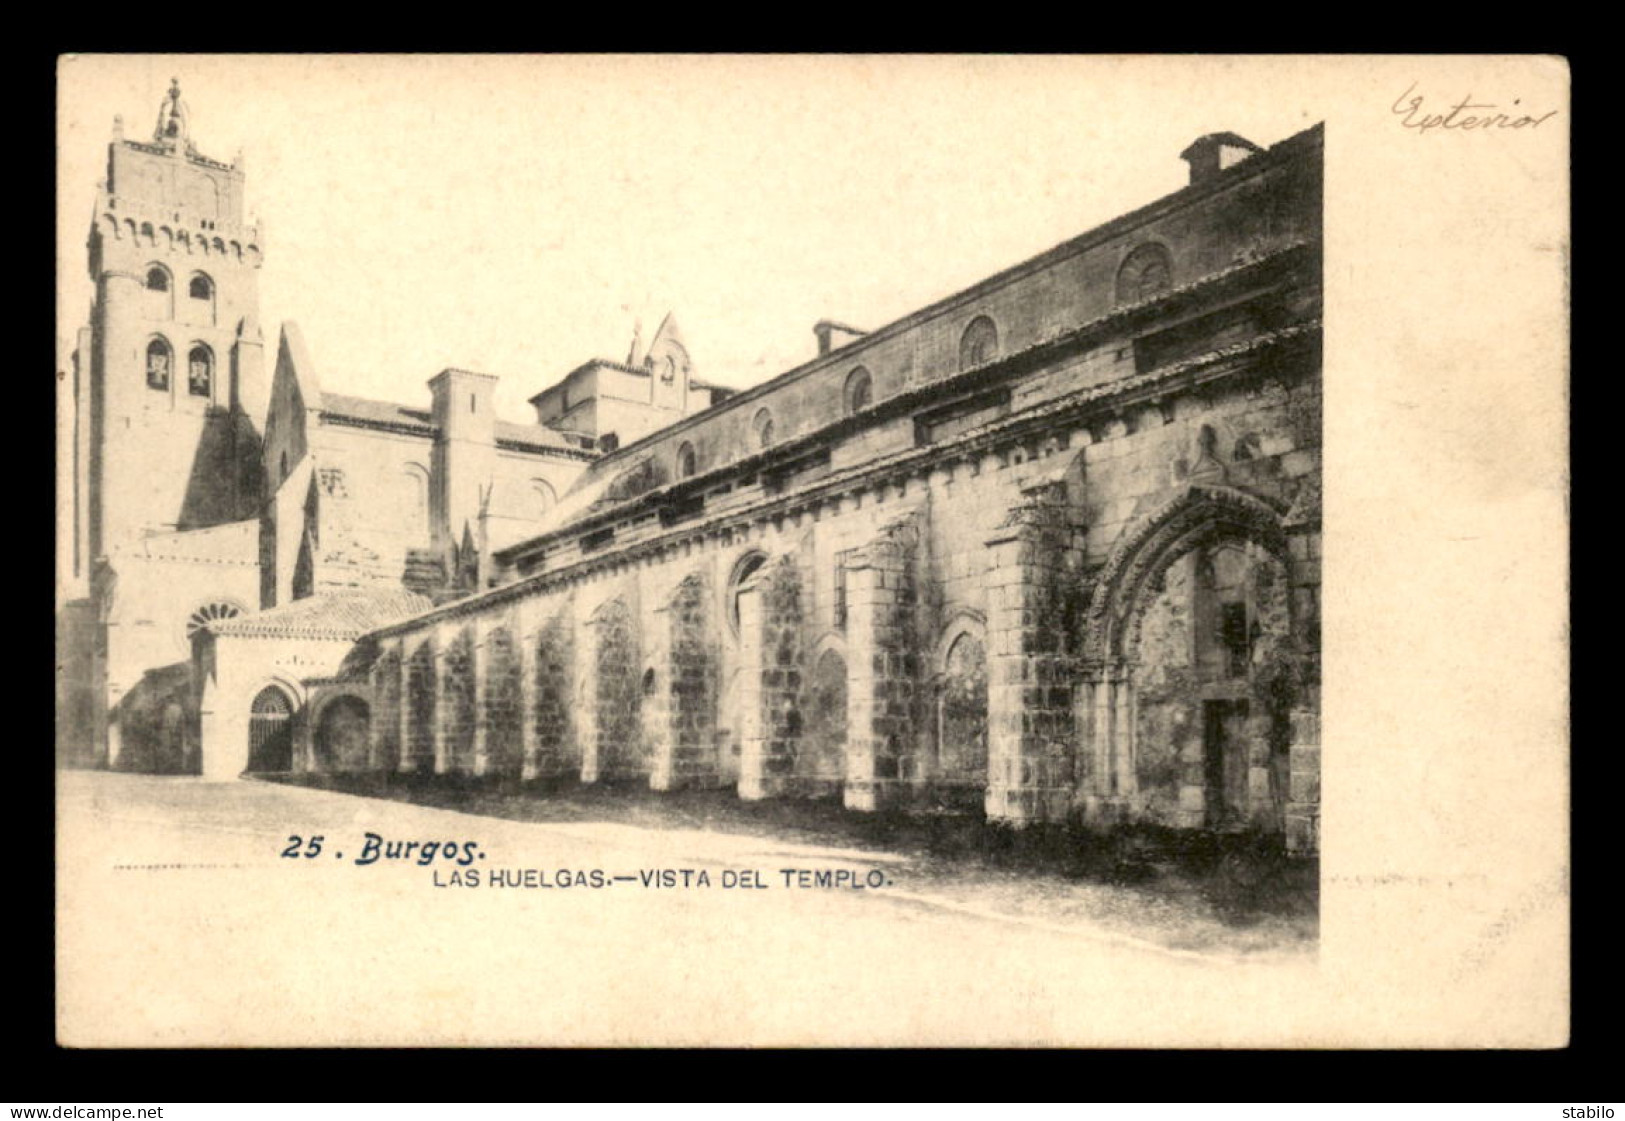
(295, 359)
(668, 333)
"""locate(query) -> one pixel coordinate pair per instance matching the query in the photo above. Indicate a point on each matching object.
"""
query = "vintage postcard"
(812, 551)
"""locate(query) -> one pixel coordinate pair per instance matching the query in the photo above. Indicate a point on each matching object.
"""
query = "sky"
(518, 215)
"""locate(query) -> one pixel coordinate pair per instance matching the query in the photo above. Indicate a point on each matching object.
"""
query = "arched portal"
(822, 759)
(341, 735)
(270, 732)
(171, 745)
(961, 716)
(1190, 646)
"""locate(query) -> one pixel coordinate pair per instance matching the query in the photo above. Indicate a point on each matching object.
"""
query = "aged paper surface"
(1443, 918)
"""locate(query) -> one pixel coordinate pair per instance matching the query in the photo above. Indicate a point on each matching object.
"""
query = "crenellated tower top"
(164, 194)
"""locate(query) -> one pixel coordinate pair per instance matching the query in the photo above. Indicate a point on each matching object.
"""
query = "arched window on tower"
(200, 372)
(159, 359)
(859, 390)
(763, 425)
(201, 303)
(687, 461)
(979, 343)
(159, 302)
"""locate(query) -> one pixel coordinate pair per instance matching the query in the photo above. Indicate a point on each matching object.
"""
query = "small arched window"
(1144, 273)
(763, 426)
(744, 569)
(417, 500)
(200, 288)
(200, 371)
(687, 462)
(159, 360)
(157, 279)
(146, 233)
(979, 343)
(208, 613)
(545, 498)
(859, 390)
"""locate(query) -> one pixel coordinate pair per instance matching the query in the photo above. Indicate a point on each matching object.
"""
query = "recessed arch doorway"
(270, 732)
(342, 734)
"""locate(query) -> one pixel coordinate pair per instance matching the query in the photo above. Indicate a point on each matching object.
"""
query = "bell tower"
(177, 387)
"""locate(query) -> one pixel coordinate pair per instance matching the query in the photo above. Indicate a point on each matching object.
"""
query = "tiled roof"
(397, 417)
(335, 615)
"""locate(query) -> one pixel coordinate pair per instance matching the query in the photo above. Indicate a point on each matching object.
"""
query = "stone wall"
(617, 694)
(387, 712)
(502, 746)
(685, 747)
(773, 654)
(821, 764)
(928, 641)
(553, 749)
(421, 708)
(456, 706)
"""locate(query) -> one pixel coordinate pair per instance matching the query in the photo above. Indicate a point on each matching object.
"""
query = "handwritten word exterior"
(1464, 116)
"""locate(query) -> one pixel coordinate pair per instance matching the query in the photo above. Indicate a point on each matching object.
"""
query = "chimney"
(1208, 155)
(833, 336)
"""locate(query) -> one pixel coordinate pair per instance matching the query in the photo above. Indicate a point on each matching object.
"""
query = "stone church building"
(1046, 550)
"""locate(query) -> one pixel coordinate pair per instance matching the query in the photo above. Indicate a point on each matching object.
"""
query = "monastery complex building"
(1047, 550)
